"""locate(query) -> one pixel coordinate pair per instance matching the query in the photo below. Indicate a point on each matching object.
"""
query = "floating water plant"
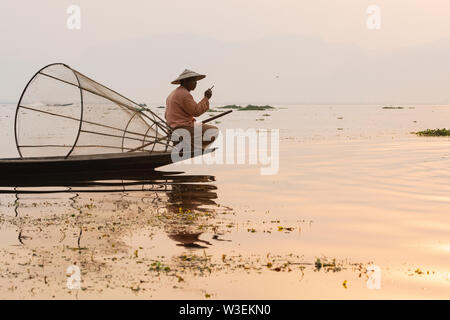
(158, 266)
(434, 132)
(231, 106)
(253, 107)
(326, 265)
(249, 107)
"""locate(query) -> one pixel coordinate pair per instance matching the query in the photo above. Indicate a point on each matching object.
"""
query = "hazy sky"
(284, 51)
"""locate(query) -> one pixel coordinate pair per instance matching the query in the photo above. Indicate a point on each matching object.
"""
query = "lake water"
(355, 189)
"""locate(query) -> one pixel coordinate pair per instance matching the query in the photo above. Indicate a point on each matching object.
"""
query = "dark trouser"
(206, 140)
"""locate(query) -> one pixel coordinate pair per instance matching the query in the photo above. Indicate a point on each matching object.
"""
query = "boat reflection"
(112, 181)
(174, 202)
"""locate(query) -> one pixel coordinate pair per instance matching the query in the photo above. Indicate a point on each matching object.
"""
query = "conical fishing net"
(62, 113)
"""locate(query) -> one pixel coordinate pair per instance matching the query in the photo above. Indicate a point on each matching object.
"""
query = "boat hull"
(114, 162)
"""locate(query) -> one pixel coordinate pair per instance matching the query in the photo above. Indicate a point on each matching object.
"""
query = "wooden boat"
(94, 162)
(86, 163)
(104, 180)
(67, 123)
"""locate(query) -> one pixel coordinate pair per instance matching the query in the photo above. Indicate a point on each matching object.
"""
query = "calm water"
(354, 188)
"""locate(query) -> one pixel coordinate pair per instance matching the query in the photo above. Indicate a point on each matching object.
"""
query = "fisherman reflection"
(190, 198)
(189, 240)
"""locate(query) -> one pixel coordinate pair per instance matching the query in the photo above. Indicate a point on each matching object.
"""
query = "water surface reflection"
(171, 201)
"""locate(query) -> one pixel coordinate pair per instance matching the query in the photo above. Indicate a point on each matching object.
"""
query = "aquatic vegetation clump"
(327, 265)
(258, 108)
(434, 132)
(231, 106)
(249, 107)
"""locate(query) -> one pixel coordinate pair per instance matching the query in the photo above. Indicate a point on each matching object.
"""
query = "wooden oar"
(217, 116)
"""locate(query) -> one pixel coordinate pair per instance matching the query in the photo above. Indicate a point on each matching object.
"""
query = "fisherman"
(181, 109)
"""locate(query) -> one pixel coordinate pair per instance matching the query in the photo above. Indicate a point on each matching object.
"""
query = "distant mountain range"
(290, 69)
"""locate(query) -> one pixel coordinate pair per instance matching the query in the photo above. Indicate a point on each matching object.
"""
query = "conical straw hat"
(188, 74)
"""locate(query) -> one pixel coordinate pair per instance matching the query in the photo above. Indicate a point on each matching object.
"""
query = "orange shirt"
(181, 108)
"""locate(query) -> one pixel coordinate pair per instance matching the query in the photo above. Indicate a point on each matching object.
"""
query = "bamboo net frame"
(103, 119)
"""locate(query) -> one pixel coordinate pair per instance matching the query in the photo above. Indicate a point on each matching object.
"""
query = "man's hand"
(208, 93)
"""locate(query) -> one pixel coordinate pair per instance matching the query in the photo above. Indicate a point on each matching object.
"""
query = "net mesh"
(63, 113)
